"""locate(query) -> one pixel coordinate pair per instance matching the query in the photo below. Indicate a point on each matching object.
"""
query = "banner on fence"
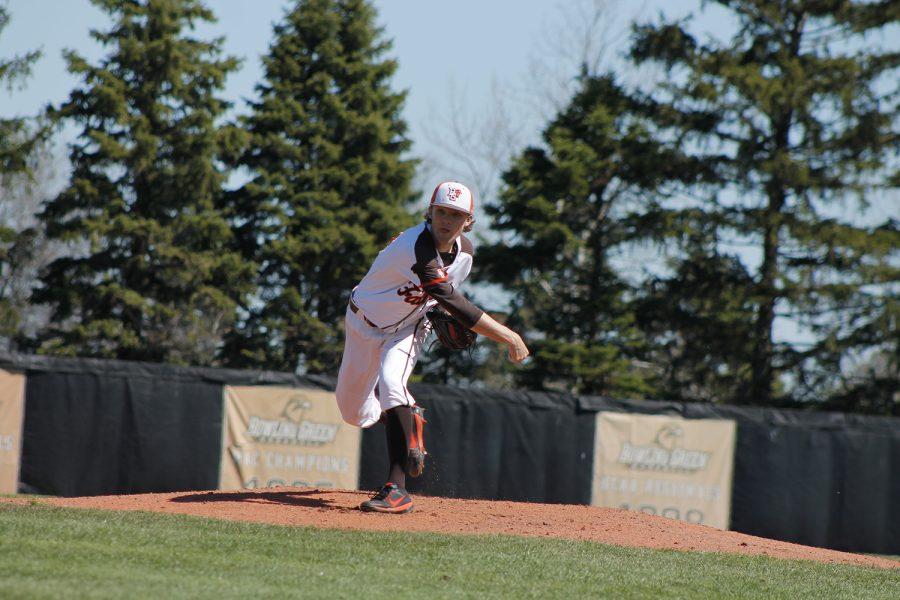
(667, 466)
(12, 410)
(286, 436)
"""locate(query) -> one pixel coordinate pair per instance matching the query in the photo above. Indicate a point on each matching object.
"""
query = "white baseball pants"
(375, 368)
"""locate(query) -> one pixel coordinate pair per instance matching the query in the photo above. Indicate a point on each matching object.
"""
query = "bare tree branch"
(476, 144)
(21, 198)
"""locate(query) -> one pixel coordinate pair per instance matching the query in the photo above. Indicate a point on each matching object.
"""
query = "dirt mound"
(338, 509)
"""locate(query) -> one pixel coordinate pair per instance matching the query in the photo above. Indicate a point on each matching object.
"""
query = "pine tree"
(20, 138)
(564, 212)
(698, 322)
(153, 275)
(797, 114)
(17, 138)
(328, 185)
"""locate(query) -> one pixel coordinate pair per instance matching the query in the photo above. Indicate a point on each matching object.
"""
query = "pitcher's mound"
(338, 509)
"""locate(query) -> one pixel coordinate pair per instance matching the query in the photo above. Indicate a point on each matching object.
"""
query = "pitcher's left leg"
(401, 412)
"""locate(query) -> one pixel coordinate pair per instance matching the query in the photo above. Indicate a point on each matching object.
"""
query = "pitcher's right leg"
(360, 364)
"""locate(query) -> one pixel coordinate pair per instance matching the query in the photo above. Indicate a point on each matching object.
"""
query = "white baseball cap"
(455, 195)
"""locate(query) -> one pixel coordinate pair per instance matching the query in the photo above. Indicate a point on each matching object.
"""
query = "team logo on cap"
(456, 195)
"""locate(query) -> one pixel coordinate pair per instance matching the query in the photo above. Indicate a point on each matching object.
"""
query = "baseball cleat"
(415, 456)
(391, 499)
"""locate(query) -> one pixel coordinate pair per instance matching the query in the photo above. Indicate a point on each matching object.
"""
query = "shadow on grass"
(309, 499)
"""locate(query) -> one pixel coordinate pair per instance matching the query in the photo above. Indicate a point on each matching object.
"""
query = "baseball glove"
(450, 332)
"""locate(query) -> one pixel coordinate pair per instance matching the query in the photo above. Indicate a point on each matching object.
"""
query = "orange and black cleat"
(391, 499)
(415, 456)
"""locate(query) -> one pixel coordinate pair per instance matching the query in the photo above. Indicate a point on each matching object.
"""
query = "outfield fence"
(75, 427)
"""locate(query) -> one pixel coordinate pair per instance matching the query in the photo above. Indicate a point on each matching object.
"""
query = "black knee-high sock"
(396, 443)
(407, 422)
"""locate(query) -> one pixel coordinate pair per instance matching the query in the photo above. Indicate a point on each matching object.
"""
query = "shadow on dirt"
(306, 498)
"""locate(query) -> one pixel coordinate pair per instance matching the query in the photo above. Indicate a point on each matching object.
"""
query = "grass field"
(52, 553)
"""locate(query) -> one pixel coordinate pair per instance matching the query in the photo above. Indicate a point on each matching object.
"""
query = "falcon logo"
(667, 436)
(293, 410)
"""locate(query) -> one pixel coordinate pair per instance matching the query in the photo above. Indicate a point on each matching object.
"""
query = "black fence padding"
(90, 434)
(497, 445)
(95, 426)
(819, 487)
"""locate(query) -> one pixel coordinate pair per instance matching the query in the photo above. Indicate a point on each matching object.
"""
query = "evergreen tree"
(20, 138)
(797, 115)
(698, 321)
(17, 137)
(566, 210)
(328, 186)
(153, 275)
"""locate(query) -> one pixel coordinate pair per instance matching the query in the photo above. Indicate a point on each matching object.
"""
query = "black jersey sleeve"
(434, 282)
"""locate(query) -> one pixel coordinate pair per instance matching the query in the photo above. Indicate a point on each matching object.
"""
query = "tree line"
(649, 246)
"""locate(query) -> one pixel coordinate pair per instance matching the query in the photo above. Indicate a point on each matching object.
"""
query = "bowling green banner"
(285, 436)
(668, 466)
(12, 411)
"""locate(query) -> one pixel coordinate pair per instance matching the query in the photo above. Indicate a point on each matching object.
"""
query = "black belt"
(355, 309)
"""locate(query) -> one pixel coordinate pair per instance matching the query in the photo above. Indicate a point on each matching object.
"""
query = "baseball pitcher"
(386, 324)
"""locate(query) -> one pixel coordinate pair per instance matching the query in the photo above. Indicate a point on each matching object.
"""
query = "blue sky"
(434, 43)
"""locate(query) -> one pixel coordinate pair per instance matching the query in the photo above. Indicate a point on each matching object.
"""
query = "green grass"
(50, 552)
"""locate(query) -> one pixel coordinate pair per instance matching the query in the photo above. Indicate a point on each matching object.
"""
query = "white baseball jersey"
(410, 276)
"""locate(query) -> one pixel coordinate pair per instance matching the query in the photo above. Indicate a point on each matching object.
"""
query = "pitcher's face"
(447, 224)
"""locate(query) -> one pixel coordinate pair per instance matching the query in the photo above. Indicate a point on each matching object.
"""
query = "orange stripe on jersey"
(435, 281)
